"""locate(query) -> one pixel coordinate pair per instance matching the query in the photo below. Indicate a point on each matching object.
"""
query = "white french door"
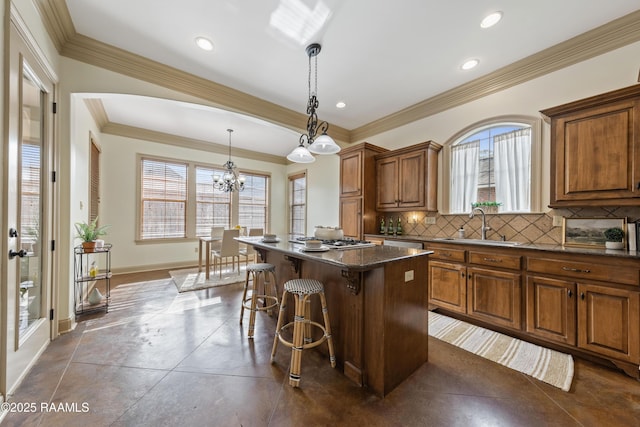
(28, 213)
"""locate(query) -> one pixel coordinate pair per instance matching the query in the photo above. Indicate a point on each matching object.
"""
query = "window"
(494, 162)
(298, 204)
(213, 208)
(177, 200)
(252, 202)
(164, 199)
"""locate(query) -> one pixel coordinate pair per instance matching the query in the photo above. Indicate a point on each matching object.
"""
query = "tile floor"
(160, 358)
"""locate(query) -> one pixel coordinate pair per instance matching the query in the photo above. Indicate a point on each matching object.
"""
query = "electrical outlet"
(429, 220)
(195, 250)
(557, 221)
(408, 276)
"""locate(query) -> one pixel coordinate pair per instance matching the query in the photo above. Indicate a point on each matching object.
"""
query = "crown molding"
(610, 36)
(97, 111)
(191, 143)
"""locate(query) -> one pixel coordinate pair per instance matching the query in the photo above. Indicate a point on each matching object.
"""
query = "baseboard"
(66, 325)
(152, 267)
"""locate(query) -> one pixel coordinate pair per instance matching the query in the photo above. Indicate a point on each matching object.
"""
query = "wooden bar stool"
(302, 290)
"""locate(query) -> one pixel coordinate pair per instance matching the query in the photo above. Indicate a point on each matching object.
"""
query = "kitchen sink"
(479, 241)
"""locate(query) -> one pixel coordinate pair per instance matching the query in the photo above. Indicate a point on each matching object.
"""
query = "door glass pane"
(30, 204)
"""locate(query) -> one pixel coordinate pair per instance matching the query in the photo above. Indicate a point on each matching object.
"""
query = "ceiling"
(379, 57)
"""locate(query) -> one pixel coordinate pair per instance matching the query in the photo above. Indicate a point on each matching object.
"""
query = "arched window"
(495, 163)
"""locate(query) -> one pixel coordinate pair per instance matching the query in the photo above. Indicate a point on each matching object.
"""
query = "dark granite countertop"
(515, 245)
(359, 259)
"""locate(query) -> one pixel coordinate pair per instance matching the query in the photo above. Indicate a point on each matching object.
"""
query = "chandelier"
(231, 180)
(322, 144)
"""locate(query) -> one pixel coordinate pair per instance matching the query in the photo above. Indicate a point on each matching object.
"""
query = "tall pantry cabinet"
(358, 190)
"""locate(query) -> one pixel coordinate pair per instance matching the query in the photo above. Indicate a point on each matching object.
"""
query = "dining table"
(206, 242)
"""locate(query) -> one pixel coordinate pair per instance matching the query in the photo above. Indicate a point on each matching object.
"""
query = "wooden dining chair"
(229, 249)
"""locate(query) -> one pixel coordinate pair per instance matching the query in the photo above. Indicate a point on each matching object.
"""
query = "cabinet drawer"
(513, 262)
(585, 270)
(447, 254)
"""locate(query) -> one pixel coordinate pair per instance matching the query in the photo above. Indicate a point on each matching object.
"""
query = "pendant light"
(322, 144)
(231, 180)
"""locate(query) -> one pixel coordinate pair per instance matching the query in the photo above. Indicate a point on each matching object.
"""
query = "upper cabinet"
(595, 150)
(407, 178)
(357, 190)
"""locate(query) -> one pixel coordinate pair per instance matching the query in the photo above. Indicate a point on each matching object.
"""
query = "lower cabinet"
(551, 309)
(494, 296)
(597, 318)
(589, 304)
(608, 321)
(448, 285)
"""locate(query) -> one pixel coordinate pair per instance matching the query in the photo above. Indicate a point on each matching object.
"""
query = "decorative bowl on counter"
(328, 233)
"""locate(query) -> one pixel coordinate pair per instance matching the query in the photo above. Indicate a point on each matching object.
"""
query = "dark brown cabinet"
(448, 285)
(407, 178)
(565, 304)
(595, 150)
(586, 303)
(357, 190)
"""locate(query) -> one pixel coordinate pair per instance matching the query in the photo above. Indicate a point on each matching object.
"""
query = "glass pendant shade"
(301, 155)
(324, 144)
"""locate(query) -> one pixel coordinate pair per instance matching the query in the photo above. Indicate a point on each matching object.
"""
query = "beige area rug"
(547, 365)
(191, 280)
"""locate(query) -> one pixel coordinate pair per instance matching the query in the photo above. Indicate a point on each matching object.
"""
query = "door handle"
(21, 253)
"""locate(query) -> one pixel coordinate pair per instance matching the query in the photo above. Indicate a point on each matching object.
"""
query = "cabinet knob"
(461, 274)
(582, 296)
(569, 293)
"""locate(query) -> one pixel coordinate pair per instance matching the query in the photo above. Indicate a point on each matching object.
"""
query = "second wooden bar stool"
(256, 272)
(302, 290)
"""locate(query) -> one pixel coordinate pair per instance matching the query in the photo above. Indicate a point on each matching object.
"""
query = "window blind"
(164, 199)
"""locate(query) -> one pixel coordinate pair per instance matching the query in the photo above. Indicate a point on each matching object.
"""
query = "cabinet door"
(351, 175)
(608, 321)
(387, 183)
(448, 286)
(350, 217)
(494, 296)
(551, 309)
(596, 153)
(411, 180)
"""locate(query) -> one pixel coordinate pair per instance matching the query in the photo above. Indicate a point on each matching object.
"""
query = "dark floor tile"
(160, 358)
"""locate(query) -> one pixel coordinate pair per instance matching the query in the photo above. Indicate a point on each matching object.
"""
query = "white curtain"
(465, 160)
(512, 157)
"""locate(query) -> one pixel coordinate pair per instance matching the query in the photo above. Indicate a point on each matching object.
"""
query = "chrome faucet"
(483, 230)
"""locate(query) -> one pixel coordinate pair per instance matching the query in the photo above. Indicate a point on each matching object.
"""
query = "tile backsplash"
(525, 228)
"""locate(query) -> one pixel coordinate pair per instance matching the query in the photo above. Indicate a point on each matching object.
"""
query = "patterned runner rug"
(547, 365)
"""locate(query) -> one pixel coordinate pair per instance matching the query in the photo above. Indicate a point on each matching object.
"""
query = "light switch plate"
(408, 276)
(557, 221)
(429, 220)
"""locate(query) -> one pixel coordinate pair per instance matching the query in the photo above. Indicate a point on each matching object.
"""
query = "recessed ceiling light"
(491, 20)
(471, 63)
(341, 104)
(204, 43)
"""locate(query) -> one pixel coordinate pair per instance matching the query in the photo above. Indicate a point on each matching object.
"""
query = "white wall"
(614, 70)
(119, 200)
(610, 71)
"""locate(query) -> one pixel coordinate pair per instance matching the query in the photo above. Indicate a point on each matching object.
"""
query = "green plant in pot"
(614, 238)
(89, 233)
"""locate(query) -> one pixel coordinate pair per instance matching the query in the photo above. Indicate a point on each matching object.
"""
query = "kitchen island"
(377, 302)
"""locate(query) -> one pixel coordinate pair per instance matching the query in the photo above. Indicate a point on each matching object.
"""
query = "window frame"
(191, 202)
(536, 158)
(291, 178)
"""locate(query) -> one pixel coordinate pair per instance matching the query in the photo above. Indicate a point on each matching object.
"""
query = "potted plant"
(88, 233)
(614, 237)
